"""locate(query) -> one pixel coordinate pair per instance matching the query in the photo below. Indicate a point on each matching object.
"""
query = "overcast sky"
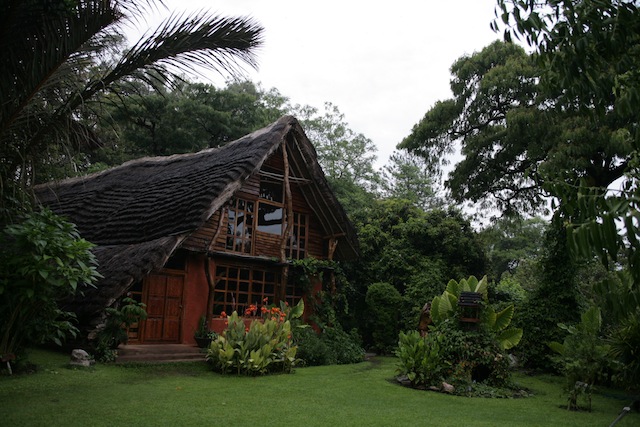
(382, 63)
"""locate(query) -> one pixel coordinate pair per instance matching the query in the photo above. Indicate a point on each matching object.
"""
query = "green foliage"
(51, 110)
(115, 330)
(399, 239)
(329, 347)
(584, 357)
(508, 289)
(444, 308)
(42, 259)
(187, 118)
(624, 344)
(408, 177)
(384, 303)
(345, 155)
(264, 347)
(510, 242)
(555, 300)
(419, 358)
(448, 353)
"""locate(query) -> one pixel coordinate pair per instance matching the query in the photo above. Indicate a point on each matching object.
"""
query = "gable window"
(270, 218)
(271, 190)
(297, 244)
(240, 226)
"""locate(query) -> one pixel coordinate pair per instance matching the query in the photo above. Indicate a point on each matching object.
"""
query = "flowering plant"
(262, 347)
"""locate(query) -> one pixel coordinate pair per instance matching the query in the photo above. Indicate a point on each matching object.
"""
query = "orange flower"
(263, 309)
(223, 314)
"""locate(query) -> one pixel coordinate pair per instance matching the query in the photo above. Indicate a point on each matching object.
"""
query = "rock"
(447, 388)
(404, 380)
(80, 357)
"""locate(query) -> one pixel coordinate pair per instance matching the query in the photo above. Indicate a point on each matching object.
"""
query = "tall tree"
(344, 154)
(511, 241)
(187, 118)
(588, 51)
(347, 157)
(46, 80)
(517, 136)
(407, 176)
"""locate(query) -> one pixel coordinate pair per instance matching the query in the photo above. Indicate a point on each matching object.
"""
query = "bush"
(345, 346)
(419, 358)
(312, 350)
(330, 347)
(42, 260)
(262, 348)
(384, 304)
(458, 357)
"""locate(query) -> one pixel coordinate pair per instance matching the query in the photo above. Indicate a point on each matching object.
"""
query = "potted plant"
(203, 335)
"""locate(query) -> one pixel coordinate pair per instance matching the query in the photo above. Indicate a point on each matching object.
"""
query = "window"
(297, 245)
(270, 218)
(293, 292)
(236, 288)
(240, 226)
(271, 190)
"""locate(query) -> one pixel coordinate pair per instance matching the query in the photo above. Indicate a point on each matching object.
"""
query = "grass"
(349, 395)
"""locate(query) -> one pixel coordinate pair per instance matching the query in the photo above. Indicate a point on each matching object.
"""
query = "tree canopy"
(517, 138)
(57, 67)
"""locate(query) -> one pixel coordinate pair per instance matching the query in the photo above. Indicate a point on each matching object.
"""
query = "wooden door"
(163, 296)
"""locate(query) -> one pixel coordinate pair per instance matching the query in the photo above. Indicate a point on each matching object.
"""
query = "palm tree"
(58, 62)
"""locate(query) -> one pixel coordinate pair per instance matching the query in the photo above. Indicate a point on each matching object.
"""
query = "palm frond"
(187, 42)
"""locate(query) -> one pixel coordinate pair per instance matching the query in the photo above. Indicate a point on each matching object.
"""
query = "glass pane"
(258, 275)
(271, 191)
(268, 289)
(244, 287)
(270, 218)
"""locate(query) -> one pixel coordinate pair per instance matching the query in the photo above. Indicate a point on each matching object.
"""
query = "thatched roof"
(138, 213)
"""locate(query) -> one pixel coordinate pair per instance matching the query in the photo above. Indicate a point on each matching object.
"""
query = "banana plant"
(498, 322)
(445, 306)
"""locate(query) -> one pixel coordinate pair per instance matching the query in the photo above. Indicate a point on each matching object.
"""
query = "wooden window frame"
(300, 233)
(237, 287)
(242, 243)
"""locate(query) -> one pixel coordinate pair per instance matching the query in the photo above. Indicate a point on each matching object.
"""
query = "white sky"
(383, 64)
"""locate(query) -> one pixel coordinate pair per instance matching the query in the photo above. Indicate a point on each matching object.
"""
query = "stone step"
(159, 353)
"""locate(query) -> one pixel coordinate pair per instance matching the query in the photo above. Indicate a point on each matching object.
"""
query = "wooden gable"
(213, 235)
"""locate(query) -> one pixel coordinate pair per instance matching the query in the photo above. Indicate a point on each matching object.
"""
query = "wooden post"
(207, 267)
(289, 221)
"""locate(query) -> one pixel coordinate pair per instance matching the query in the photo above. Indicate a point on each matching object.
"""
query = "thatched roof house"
(199, 219)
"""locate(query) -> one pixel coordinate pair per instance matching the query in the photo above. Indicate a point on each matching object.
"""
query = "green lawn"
(349, 395)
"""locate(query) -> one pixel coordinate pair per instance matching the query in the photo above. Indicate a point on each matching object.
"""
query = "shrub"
(332, 346)
(42, 260)
(419, 358)
(115, 329)
(583, 357)
(345, 346)
(265, 346)
(261, 348)
(312, 350)
(384, 304)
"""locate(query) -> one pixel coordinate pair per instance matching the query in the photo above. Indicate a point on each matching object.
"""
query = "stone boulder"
(80, 357)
